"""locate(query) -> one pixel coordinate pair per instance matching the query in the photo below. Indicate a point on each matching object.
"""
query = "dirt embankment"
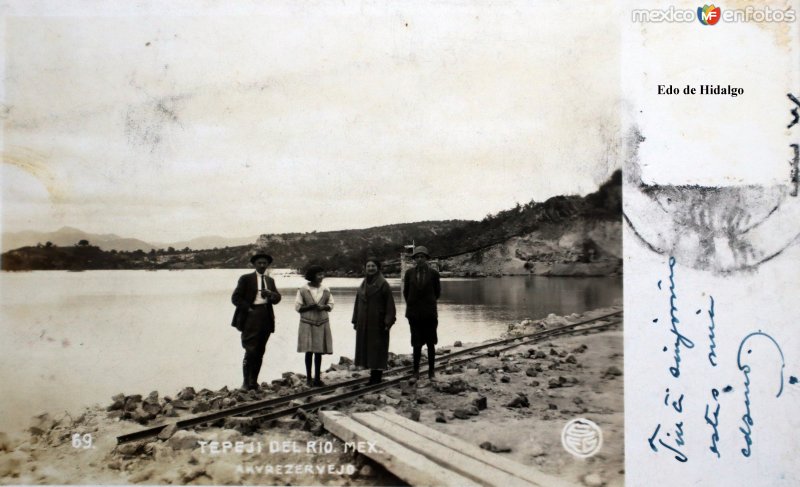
(515, 404)
(583, 248)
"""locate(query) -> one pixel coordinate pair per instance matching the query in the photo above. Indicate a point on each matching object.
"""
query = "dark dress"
(421, 289)
(373, 311)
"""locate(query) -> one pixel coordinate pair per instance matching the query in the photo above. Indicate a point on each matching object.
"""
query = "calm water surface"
(71, 339)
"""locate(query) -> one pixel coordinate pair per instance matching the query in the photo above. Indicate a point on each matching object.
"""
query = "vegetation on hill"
(342, 251)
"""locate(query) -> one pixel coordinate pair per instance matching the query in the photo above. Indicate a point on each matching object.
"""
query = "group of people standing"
(374, 314)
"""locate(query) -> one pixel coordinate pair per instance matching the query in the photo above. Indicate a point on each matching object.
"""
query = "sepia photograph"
(311, 243)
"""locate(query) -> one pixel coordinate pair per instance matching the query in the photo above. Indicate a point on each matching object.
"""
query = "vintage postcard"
(712, 219)
(340, 243)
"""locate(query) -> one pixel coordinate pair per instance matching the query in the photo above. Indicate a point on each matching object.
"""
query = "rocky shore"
(514, 404)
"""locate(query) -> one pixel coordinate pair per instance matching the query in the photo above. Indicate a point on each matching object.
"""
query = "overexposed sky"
(167, 123)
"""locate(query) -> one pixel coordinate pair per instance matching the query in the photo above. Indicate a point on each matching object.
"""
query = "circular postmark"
(710, 228)
(582, 437)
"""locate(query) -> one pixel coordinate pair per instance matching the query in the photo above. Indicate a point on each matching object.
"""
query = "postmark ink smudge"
(709, 228)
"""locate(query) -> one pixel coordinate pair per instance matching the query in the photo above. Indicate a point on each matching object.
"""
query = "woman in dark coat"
(373, 316)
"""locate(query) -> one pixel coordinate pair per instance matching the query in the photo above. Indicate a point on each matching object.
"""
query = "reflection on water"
(73, 339)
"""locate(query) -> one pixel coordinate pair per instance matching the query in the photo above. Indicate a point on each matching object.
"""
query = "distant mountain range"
(69, 236)
(564, 235)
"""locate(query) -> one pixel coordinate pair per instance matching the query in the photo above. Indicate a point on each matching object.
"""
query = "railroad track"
(278, 407)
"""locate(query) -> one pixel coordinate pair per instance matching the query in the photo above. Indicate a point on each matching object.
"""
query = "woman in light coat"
(313, 302)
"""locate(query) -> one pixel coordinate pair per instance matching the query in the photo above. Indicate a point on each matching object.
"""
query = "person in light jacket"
(313, 302)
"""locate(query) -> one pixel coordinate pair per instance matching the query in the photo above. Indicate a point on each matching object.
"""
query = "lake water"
(72, 339)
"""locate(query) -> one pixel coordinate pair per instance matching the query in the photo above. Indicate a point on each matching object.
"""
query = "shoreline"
(480, 402)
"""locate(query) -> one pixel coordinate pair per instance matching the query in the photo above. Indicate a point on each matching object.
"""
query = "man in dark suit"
(254, 318)
(421, 289)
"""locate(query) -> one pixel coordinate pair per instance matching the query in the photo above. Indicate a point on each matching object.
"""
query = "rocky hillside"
(564, 235)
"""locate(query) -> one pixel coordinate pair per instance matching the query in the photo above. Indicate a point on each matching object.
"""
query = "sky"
(199, 118)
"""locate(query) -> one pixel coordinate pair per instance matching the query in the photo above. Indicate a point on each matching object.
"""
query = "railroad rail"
(283, 406)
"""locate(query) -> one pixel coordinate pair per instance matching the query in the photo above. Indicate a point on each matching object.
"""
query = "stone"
(571, 359)
(345, 361)
(118, 402)
(152, 397)
(187, 394)
(201, 407)
(180, 404)
(531, 372)
(593, 480)
(552, 406)
(613, 371)
(114, 414)
(458, 343)
(540, 354)
(141, 416)
(492, 353)
(505, 379)
(521, 401)
(151, 408)
(480, 403)
(511, 368)
(553, 352)
(461, 413)
(440, 417)
(130, 449)
(42, 424)
(580, 349)
(488, 445)
(394, 393)
(553, 383)
(183, 440)
(168, 431)
(366, 471)
(5, 442)
(451, 387)
(413, 414)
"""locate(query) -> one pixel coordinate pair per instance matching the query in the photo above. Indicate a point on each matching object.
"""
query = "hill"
(564, 235)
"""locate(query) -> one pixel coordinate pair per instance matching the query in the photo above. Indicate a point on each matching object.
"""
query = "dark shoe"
(416, 374)
(375, 377)
(309, 382)
(431, 374)
(318, 383)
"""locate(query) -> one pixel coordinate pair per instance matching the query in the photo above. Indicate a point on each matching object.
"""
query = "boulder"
(440, 417)
(521, 401)
(462, 413)
(168, 432)
(531, 372)
(480, 403)
(488, 445)
(118, 402)
(183, 440)
(187, 394)
(505, 379)
(457, 343)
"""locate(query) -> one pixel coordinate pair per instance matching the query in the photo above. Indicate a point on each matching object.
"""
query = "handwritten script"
(669, 436)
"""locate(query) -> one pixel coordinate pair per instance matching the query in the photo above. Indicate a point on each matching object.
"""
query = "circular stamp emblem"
(582, 438)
